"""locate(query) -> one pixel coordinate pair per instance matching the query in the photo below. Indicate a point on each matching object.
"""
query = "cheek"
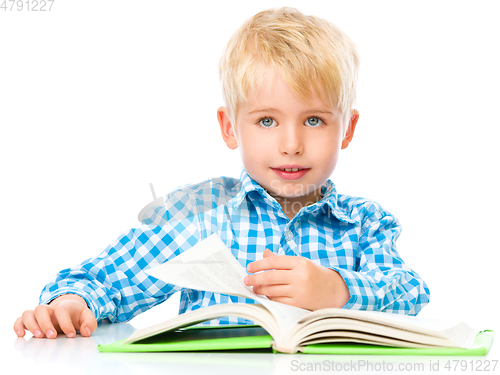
(327, 149)
(333, 161)
(254, 148)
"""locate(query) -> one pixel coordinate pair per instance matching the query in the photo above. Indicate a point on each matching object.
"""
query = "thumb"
(268, 253)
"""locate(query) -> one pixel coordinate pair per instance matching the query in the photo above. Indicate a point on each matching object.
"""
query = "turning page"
(209, 265)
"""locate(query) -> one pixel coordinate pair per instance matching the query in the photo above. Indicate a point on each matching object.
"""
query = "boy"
(289, 85)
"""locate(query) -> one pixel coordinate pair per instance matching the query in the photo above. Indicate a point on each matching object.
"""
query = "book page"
(332, 327)
(458, 333)
(210, 266)
(246, 311)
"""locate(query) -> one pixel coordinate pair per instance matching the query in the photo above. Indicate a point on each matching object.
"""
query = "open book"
(210, 266)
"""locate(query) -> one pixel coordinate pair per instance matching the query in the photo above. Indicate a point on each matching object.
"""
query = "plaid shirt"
(354, 236)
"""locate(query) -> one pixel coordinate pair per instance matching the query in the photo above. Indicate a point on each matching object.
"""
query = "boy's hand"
(65, 314)
(297, 281)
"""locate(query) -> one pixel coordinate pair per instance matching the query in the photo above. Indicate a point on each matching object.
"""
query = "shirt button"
(288, 235)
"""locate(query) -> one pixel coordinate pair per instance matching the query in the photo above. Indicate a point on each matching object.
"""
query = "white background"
(100, 98)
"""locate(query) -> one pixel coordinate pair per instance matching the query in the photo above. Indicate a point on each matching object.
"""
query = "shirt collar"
(329, 197)
(248, 185)
(328, 193)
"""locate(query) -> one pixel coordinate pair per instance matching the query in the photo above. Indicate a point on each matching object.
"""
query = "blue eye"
(313, 122)
(267, 122)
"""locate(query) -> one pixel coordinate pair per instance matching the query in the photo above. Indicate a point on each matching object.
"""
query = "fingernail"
(246, 281)
(37, 333)
(71, 334)
(249, 267)
(19, 333)
(87, 329)
(49, 333)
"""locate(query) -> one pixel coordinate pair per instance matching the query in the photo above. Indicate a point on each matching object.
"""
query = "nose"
(292, 140)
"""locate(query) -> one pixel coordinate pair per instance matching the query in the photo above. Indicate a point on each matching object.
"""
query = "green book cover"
(254, 337)
(198, 339)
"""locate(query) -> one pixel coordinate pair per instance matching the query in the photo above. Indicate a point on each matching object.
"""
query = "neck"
(292, 205)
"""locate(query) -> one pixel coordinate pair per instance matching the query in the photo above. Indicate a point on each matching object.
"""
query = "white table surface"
(80, 356)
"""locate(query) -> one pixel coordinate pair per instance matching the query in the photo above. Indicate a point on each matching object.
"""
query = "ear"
(353, 120)
(226, 128)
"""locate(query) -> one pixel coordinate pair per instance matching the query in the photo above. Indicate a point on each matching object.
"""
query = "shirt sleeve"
(115, 284)
(381, 280)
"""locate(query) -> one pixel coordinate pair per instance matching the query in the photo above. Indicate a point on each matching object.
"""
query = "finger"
(31, 324)
(269, 278)
(277, 262)
(19, 327)
(63, 316)
(272, 291)
(88, 323)
(268, 253)
(42, 315)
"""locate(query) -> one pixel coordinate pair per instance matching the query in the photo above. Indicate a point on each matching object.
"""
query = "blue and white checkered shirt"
(354, 236)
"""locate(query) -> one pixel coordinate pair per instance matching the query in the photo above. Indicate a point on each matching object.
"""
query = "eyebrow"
(278, 111)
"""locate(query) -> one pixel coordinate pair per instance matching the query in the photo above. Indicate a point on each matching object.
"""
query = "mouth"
(290, 172)
(291, 169)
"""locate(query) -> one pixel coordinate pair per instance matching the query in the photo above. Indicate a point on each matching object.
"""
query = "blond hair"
(302, 50)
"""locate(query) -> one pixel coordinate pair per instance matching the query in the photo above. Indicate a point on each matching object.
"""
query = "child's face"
(276, 130)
